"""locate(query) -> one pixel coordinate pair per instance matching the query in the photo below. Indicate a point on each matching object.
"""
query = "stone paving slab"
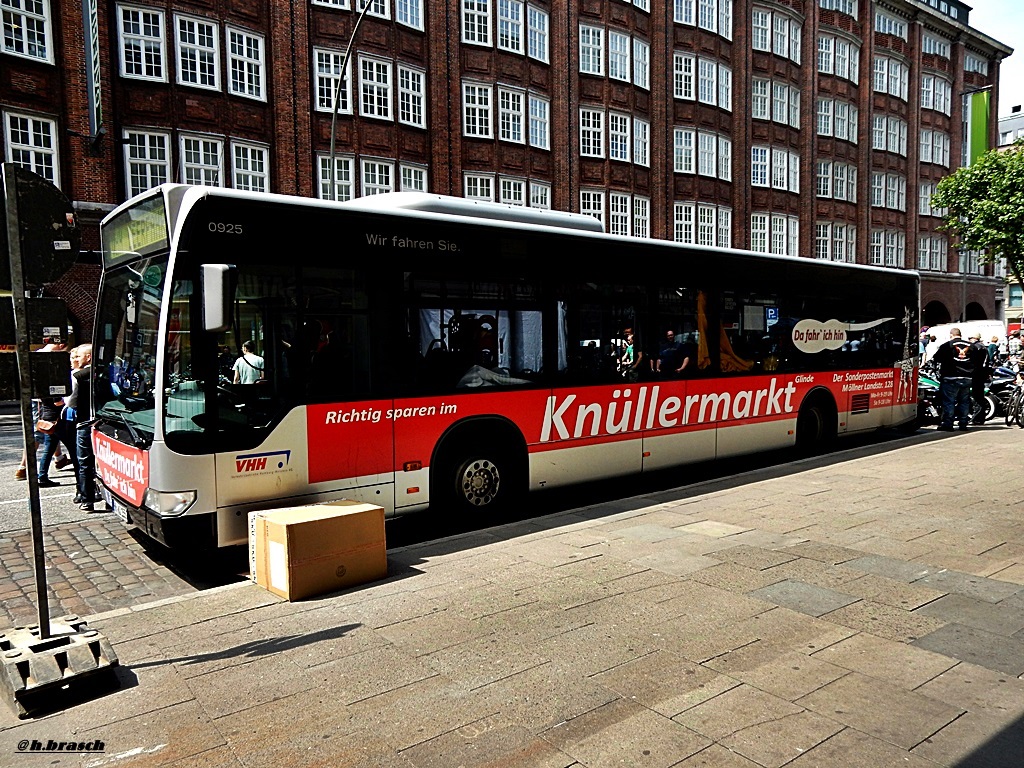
(784, 619)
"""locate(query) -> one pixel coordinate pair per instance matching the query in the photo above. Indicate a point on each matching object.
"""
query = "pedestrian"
(993, 353)
(957, 359)
(77, 407)
(248, 367)
(979, 378)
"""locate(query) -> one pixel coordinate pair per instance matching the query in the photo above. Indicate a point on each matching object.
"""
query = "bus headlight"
(168, 504)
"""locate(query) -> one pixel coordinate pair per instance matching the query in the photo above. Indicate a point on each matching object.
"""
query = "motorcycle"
(929, 398)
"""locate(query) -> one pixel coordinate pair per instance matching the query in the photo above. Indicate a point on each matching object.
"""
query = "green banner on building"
(978, 141)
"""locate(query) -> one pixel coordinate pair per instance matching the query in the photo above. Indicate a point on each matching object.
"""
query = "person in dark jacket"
(957, 360)
(75, 419)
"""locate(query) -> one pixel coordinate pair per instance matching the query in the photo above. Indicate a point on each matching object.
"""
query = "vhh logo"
(259, 462)
(251, 465)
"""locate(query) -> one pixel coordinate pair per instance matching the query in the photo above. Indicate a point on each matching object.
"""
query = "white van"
(986, 328)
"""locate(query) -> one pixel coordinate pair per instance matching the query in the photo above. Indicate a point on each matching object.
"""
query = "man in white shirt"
(249, 367)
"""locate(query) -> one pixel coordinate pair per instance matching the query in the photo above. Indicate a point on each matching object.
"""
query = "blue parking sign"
(771, 316)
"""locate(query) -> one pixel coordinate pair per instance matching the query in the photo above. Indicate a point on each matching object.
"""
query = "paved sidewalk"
(863, 610)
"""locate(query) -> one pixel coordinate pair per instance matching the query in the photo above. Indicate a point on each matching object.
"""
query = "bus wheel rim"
(479, 482)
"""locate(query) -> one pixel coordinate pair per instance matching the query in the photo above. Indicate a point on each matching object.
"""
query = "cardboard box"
(299, 552)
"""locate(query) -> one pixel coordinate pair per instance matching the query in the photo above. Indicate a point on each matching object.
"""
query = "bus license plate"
(120, 510)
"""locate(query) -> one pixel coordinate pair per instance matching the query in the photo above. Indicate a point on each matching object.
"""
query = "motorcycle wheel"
(991, 407)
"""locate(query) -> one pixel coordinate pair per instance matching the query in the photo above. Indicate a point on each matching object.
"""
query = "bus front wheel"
(481, 484)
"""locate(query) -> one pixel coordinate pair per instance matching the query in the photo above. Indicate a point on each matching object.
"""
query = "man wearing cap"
(957, 359)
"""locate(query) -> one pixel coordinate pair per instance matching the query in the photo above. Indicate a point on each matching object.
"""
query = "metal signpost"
(41, 662)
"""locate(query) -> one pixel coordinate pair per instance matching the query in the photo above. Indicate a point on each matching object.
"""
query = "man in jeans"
(957, 360)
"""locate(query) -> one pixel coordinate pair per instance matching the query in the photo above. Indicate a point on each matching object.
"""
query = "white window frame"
(327, 73)
(32, 145)
(620, 214)
(540, 122)
(510, 26)
(641, 217)
(620, 136)
(376, 88)
(591, 132)
(591, 50)
(409, 13)
(760, 99)
(477, 110)
(26, 30)
(147, 164)
(759, 170)
(343, 186)
(537, 25)
(246, 64)
(540, 195)
(412, 96)
(198, 58)
(201, 159)
(684, 67)
(619, 54)
(413, 178)
(684, 142)
(592, 203)
(641, 64)
(376, 176)
(512, 191)
(250, 166)
(478, 186)
(149, 45)
(476, 22)
(641, 142)
(512, 115)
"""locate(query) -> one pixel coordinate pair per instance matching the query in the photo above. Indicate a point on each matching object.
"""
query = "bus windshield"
(124, 358)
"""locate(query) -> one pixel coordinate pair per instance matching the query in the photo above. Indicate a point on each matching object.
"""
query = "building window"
(641, 217)
(142, 44)
(510, 25)
(341, 187)
(377, 177)
(936, 93)
(618, 56)
(974, 64)
(147, 160)
(375, 88)
(476, 110)
(327, 66)
(26, 29)
(246, 64)
(413, 178)
(411, 90)
(198, 53)
(934, 147)
(759, 108)
(540, 195)
(32, 144)
(759, 166)
(540, 126)
(641, 64)
(619, 138)
(479, 187)
(202, 161)
(476, 22)
(849, 7)
(249, 167)
(537, 33)
(409, 13)
(889, 25)
(683, 140)
(932, 252)
(892, 77)
(776, 32)
(641, 142)
(512, 191)
(591, 133)
(591, 50)
(592, 203)
(511, 116)
(620, 217)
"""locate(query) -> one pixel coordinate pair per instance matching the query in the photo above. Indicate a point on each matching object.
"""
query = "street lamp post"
(342, 78)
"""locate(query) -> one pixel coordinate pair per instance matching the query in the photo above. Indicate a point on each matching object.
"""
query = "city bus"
(429, 353)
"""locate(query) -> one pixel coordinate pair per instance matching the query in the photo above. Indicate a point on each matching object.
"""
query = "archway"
(935, 313)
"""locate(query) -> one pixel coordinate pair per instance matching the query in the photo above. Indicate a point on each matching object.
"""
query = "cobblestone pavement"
(91, 567)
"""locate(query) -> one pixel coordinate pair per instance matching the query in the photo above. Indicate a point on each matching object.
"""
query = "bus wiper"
(133, 433)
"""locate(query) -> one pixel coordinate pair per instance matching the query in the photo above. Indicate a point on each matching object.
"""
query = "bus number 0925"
(224, 228)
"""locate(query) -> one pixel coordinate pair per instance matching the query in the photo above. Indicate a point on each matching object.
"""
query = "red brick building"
(811, 127)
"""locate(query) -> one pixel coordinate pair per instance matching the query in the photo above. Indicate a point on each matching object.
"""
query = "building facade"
(816, 128)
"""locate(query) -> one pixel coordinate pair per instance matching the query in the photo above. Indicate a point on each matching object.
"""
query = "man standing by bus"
(957, 360)
(249, 367)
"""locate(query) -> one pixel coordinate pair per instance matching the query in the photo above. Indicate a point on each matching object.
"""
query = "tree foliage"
(985, 203)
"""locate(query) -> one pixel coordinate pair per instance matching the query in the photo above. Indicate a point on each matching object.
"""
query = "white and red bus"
(424, 351)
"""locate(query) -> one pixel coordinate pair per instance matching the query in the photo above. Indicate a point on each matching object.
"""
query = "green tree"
(986, 206)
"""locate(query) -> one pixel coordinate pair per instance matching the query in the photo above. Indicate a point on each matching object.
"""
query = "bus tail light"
(168, 504)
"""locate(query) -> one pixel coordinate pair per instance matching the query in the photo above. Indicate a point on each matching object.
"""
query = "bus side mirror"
(218, 287)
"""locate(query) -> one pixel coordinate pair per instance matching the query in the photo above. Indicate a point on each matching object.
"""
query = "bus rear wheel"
(815, 426)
